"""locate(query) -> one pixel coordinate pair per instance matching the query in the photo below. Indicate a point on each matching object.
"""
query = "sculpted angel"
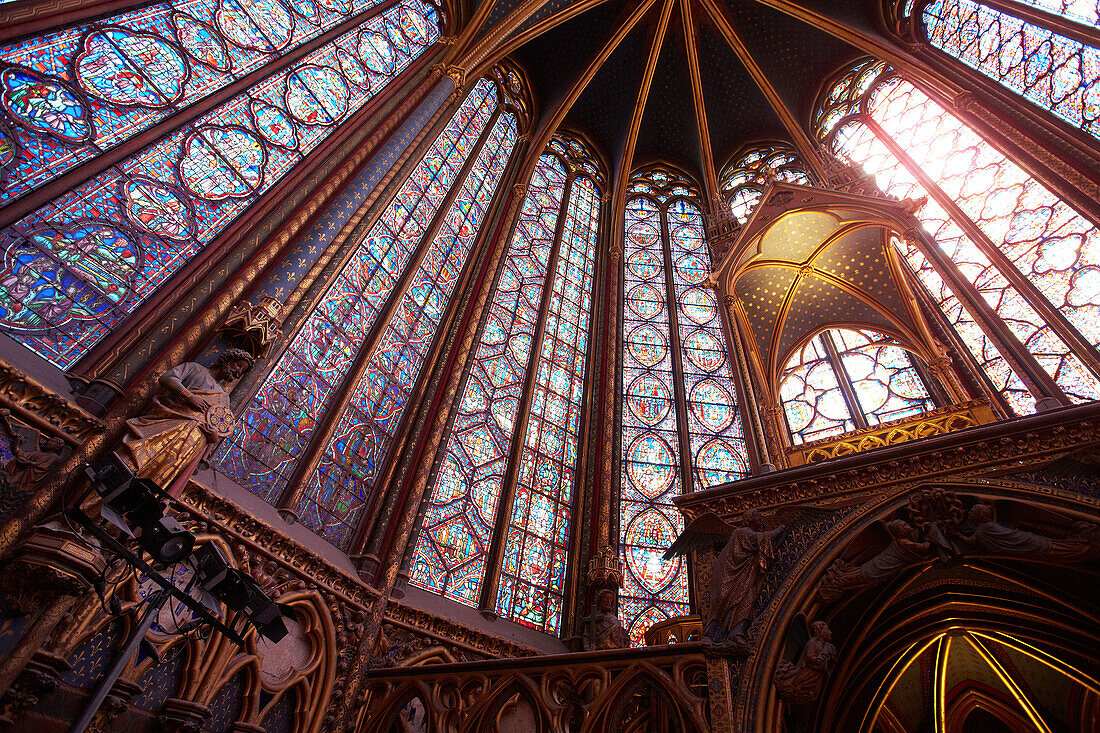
(902, 551)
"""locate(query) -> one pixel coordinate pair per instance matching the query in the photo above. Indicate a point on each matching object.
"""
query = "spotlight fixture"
(238, 591)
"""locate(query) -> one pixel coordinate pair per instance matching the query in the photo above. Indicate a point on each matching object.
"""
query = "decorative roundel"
(34, 267)
(222, 162)
(647, 536)
(645, 300)
(650, 465)
(264, 25)
(645, 264)
(44, 104)
(131, 69)
(648, 399)
(337, 6)
(415, 26)
(717, 463)
(353, 69)
(201, 42)
(642, 233)
(693, 268)
(703, 350)
(712, 405)
(647, 345)
(699, 305)
(316, 95)
(157, 209)
(377, 53)
(307, 9)
(219, 420)
(273, 123)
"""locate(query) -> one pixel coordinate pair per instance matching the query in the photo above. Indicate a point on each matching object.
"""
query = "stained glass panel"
(336, 494)
(75, 93)
(1054, 247)
(743, 183)
(278, 422)
(451, 548)
(653, 588)
(533, 575)
(1057, 73)
(812, 401)
(76, 267)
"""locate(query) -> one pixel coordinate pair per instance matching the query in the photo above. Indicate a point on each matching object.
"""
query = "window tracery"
(278, 424)
(744, 181)
(915, 148)
(1057, 73)
(550, 261)
(76, 267)
(673, 442)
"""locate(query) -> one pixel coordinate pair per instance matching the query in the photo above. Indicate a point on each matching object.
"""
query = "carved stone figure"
(31, 459)
(991, 537)
(602, 629)
(801, 682)
(904, 550)
(735, 580)
(189, 414)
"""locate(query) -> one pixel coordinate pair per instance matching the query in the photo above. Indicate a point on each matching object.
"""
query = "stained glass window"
(553, 247)
(76, 267)
(744, 181)
(1057, 73)
(672, 335)
(278, 422)
(880, 378)
(1050, 244)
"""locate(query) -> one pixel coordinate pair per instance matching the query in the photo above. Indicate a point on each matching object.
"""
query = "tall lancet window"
(75, 268)
(371, 331)
(1033, 258)
(747, 176)
(1033, 59)
(681, 430)
(507, 473)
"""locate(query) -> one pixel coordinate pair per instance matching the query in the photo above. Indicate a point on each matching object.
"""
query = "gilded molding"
(41, 407)
(450, 632)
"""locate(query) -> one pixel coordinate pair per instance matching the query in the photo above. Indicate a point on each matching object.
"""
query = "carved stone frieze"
(446, 630)
(41, 407)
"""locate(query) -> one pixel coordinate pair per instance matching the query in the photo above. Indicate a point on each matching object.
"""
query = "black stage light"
(238, 591)
(166, 540)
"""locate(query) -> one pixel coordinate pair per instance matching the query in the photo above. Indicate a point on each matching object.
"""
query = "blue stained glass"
(262, 452)
(337, 492)
(178, 193)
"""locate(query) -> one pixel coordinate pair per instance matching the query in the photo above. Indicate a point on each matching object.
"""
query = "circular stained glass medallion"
(717, 463)
(703, 350)
(647, 536)
(647, 345)
(712, 405)
(222, 162)
(698, 304)
(693, 268)
(645, 301)
(377, 53)
(337, 6)
(645, 264)
(131, 69)
(201, 42)
(316, 95)
(649, 465)
(265, 25)
(44, 104)
(648, 399)
(273, 123)
(157, 209)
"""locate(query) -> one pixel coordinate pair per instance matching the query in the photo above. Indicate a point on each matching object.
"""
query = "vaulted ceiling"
(756, 64)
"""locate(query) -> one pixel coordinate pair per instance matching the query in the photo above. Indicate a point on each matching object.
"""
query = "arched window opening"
(744, 181)
(1025, 251)
(75, 268)
(371, 331)
(845, 379)
(681, 428)
(1055, 72)
(507, 473)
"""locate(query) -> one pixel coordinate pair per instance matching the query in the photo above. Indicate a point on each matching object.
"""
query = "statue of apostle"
(602, 629)
(188, 415)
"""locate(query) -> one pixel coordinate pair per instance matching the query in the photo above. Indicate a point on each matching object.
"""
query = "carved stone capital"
(455, 73)
(254, 326)
(605, 569)
(52, 562)
(39, 678)
(182, 716)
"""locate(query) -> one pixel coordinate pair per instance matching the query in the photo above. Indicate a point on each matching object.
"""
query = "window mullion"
(687, 462)
(844, 380)
(344, 393)
(495, 559)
